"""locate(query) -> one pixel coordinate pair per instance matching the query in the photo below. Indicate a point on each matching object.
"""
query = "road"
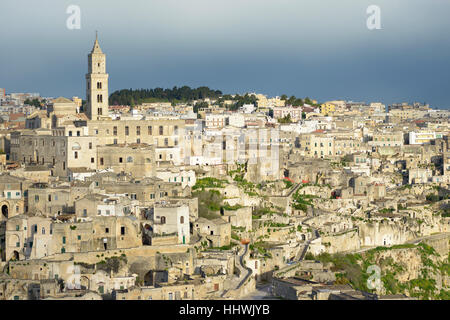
(244, 272)
(431, 237)
(262, 292)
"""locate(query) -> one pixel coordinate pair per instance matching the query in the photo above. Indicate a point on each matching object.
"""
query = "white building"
(213, 120)
(421, 137)
(172, 219)
(185, 177)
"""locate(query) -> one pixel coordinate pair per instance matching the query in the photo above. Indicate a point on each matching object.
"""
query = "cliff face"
(383, 233)
(421, 271)
(343, 241)
(417, 271)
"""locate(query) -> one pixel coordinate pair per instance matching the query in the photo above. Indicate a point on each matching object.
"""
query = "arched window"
(43, 230)
(76, 146)
(181, 219)
(130, 159)
(163, 220)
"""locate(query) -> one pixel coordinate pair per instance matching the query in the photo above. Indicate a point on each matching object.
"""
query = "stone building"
(13, 192)
(95, 204)
(96, 234)
(217, 232)
(137, 160)
(27, 237)
(59, 148)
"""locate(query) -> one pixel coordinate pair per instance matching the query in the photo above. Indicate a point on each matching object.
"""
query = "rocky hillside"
(414, 270)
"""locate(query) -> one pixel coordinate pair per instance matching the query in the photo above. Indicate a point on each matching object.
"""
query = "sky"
(322, 49)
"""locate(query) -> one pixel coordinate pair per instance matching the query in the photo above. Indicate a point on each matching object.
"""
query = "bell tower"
(96, 84)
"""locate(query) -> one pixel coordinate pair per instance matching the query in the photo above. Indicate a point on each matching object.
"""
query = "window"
(120, 160)
(150, 130)
(99, 85)
(161, 130)
(138, 130)
(90, 145)
(99, 98)
(85, 212)
(106, 230)
(115, 130)
(166, 142)
(163, 220)
(92, 160)
(122, 231)
(100, 111)
(36, 198)
(43, 230)
(130, 159)
(101, 161)
(75, 155)
(182, 220)
(63, 240)
(127, 130)
(79, 237)
(17, 227)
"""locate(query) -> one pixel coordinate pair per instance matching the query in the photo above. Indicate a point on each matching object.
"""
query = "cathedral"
(66, 139)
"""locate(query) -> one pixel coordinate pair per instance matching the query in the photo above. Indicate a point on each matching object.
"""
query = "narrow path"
(244, 272)
(302, 253)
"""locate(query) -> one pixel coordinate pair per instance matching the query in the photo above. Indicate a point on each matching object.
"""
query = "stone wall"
(343, 241)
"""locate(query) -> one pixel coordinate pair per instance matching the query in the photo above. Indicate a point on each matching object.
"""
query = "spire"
(96, 48)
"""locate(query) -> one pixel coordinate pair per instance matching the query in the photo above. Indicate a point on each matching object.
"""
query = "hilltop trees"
(184, 94)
